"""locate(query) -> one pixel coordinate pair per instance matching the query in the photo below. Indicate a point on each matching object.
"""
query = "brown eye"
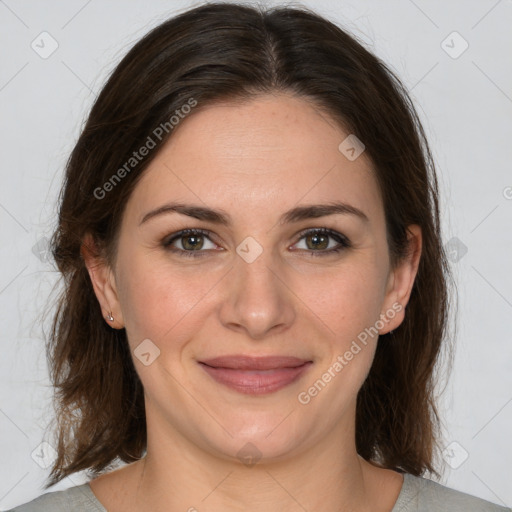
(192, 242)
(319, 242)
(189, 242)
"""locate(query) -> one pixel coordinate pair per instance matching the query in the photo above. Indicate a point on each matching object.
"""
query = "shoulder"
(420, 494)
(78, 498)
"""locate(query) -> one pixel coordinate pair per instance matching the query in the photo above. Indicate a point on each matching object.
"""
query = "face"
(260, 283)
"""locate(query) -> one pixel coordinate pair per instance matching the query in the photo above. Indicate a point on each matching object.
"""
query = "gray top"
(418, 494)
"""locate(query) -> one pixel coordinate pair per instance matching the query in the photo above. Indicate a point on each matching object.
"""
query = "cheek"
(159, 302)
(349, 312)
(346, 301)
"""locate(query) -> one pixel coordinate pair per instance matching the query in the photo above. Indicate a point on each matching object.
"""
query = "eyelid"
(168, 240)
(327, 231)
(342, 241)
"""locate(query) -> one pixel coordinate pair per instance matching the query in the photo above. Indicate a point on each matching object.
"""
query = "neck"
(176, 474)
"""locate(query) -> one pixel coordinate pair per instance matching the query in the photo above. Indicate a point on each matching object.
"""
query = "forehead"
(270, 153)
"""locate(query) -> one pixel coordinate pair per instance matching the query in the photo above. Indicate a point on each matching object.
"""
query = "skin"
(254, 161)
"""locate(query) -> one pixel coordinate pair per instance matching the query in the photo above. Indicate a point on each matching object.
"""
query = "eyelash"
(343, 241)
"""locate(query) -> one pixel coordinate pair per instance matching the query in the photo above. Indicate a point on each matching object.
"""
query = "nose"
(259, 301)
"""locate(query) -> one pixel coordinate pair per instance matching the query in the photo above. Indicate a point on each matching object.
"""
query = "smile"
(256, 382)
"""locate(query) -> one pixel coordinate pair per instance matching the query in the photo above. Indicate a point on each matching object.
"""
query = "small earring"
(110, 318)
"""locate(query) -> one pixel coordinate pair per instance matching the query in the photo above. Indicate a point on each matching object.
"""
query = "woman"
(256, 289)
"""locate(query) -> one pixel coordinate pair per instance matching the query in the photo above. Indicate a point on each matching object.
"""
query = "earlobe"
(103, 282)
(402, 280)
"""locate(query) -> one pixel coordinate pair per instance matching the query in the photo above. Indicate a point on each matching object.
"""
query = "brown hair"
(225, 51)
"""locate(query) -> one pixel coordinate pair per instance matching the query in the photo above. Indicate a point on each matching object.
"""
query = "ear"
(400, 282)
(103, 281)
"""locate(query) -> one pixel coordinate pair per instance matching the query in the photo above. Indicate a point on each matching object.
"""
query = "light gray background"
(465, 104)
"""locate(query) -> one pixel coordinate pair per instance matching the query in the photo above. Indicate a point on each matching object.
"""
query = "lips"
(255, 375)
(254, 363)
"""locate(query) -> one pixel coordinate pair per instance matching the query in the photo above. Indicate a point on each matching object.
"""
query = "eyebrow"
(221, 217)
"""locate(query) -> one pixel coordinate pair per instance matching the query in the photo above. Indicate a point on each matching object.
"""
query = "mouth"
(255, 375)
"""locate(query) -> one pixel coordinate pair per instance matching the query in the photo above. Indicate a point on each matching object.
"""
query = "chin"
(251, 441)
